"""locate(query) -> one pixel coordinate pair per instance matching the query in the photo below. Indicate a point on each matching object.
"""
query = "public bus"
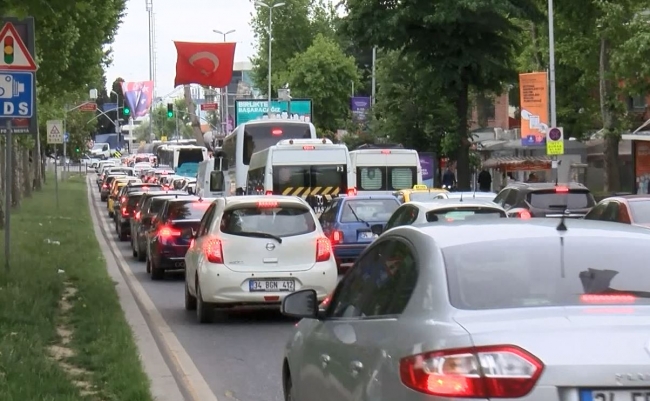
(302, 167)
(183, 159)
(385, 170)
(255, 136)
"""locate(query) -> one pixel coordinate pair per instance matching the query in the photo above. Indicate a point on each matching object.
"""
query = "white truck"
(101, 151)
(210, 179)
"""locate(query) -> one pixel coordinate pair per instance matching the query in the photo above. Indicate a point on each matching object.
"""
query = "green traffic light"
(76, 150)
(127, 111)
(170, 114)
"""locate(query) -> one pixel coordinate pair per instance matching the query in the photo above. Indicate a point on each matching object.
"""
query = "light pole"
(270, 7)
(149, 5)
(551, 79)
(224, 108)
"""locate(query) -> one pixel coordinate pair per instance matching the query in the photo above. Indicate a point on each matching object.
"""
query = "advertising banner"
(428, 166)
(248, 110)
(533, 95)
(138, 96)
(360, 107)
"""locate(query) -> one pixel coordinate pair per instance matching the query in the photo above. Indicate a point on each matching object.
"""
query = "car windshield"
(520, 273)
(424, 196)
(464, 213)
(368, 210)
(187, 210)
(640, 211)
(575, 199)
(281, 220)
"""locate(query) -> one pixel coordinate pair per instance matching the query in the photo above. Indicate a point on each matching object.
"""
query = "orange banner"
(533, 99)
(642, 166)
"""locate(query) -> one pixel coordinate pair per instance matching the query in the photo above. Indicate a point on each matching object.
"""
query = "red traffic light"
(8, 46)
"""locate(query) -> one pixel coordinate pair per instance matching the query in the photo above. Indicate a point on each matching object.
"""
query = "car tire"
(110, 214)
(203, 310)
(288, 389)
(121, 234)
(148, 265)
(156, 273)
(190, 301)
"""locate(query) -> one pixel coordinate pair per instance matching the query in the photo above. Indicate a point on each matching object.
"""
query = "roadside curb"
(162, 355)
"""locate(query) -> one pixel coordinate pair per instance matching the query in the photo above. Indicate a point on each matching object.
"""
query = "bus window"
(262, 136)
(402, 177)
(370, 178)
(190, 155)
(216, 181)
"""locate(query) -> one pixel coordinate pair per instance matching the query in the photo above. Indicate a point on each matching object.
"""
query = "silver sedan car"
(542, 309)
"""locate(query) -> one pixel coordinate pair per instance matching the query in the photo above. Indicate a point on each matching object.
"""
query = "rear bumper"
(171, 258)
(222, 286)
(348, 253)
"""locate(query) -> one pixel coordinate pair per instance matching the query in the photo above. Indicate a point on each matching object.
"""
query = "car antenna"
(461, 197)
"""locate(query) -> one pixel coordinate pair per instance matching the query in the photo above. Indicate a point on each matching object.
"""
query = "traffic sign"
(54, 132)
(16, 94)
(16, 56)
(555, 141)
(209, 106)
(88, 106)
(66, 137)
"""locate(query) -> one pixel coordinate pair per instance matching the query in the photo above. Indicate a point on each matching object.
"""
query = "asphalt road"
(239, 356)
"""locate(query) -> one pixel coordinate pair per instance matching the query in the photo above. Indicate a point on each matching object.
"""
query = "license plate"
(272, 285)
(366, 235)
(642, 394)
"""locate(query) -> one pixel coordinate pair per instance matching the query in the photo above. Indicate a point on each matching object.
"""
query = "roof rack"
(380, 146)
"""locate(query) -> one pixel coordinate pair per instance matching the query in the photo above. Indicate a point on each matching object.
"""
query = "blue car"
(347, 223)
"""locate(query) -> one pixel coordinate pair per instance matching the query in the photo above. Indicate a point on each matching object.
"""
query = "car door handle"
(325, 360)
(356, 367)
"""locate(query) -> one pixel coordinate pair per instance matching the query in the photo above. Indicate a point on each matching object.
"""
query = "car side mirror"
(301, 304)
(377, 229)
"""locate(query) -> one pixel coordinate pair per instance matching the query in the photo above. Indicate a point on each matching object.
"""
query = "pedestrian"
(484, 180)
(448, 179)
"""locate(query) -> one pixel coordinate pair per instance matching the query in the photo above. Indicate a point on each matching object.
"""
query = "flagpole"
(270, 7)
(224, 105)
(151, 106)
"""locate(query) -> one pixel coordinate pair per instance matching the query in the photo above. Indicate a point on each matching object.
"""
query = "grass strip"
(45, 240)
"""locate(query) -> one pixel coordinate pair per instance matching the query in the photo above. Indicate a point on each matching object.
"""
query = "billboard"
(533, 95)
(360, 107)
(248, 110)
(138, 96)
(428, 166)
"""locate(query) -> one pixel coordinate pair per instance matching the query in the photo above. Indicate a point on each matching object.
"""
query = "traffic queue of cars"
(446, 296)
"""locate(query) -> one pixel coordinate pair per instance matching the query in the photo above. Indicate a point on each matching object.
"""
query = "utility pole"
(374, 79)
(551, 78)
(224, 104)
(270, 7)
(149, 5)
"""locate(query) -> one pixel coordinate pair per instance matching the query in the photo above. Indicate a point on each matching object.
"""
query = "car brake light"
(125, 212)
(561, 189)
(308, 147)
(525, 214)
(268, 193)
(385, 152)
(165, 187)
(323, 249)
(123, 199)
(168, 232)
(145, 187)
(104, 186)
(267, 204)
(276, 131)
(352, 192)
(137, 216)
(213, 250)
(607, 298)
(501, 371)
(326, 301)
(337, 237)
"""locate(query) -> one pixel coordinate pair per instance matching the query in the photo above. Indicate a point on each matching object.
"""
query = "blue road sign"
(66, 137)
(16, 94)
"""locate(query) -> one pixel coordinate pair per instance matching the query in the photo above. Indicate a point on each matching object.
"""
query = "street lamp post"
(270, 7)
(551, 79)
(224, 108)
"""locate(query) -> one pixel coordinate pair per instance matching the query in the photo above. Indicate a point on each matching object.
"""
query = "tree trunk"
(463, 170)
(16, 175)
(612, 138)
(37, 163)
(27, 175)
(194, 119)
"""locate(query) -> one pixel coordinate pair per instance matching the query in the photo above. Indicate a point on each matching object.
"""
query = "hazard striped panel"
(304, 192)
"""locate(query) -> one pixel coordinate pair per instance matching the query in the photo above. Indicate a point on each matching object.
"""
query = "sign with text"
(249, 110)
(533, 98)
(360, 107)
(555, 141)
(54, 132)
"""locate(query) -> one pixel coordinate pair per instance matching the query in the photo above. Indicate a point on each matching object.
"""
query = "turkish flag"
(208, 64)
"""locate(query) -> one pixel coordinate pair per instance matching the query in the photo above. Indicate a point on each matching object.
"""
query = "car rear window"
(157, 204)
(574, 199)
(369, 210)
(464, 213)
(424, 196)
(144, 187)
(282, 220)
(132, 201)
(519, 273)
(187, 210)
(640, 211)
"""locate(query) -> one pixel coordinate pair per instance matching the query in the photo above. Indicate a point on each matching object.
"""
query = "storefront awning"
(514, 163)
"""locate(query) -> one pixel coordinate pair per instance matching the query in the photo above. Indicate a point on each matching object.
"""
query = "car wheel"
(148, 265)
(156, 273)
(288, 389)
(203, 309)
(190, 301)
(133, 250)
(121, 233)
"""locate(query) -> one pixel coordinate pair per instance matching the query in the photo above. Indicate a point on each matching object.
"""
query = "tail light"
(137, 216)
(562, 189)
(607, 298)
(326, 301)
(213, 250)
(123, 199)
(105, 186)
(168, 232)
(501, 371)
(165, 187)
(323, 249)
(336, 237)
(525, 215)
(268, 193)
(352, 192)
(125, 212)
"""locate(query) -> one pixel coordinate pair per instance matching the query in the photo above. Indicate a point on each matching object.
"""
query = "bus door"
(317, 184)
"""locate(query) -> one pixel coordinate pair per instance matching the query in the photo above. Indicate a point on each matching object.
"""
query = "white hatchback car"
(254, 250)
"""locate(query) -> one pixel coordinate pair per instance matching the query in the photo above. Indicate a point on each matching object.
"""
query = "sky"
(189, 21)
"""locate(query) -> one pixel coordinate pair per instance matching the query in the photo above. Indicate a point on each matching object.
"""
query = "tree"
(295, 25)
(324, 74)
(467, 44)
(163, 126)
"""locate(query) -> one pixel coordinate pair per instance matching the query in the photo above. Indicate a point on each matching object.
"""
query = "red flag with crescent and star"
(208, 64)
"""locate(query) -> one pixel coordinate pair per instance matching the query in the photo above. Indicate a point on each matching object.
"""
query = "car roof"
(186, 198)
(504, 230)
(165, 193)
(447, 203)
(540, 186)
(629, 198)
(369, 197)
(250, 199)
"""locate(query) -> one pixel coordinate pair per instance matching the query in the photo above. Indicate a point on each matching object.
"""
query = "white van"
(384, 171)
(210, 179)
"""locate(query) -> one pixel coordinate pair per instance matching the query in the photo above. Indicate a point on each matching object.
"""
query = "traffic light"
(77, 149)
(9, 50)
(170, 110)
(126, 110)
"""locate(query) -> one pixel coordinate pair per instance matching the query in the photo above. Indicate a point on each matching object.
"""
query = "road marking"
(189, 375)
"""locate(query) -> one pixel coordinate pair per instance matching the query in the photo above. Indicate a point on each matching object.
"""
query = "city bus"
(301, 167)
(255, 136)
(385, 170)
(183, 159)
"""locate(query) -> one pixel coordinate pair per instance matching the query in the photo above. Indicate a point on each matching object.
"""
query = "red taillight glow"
(562, 189)
(268, 193)
(385, 152)
(125, 212)
(326, 301)
(165, 187)
(308, 147)
(352, 192)
(192, 242)
(323, 249)
(137, 216)
(213, 250)
(525, 215)
(145, 188)
(276, 131)
(267, 204)
(123, 199)
(500, 371)
(337, 237)
(168, 232)
(105, 186)
(607, 298)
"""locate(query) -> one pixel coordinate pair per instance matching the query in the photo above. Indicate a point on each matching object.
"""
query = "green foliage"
(324, 74)
(164, 126)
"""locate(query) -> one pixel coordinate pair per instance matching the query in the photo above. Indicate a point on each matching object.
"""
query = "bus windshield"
(310, 180)
(190, 155)
(262, 136)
